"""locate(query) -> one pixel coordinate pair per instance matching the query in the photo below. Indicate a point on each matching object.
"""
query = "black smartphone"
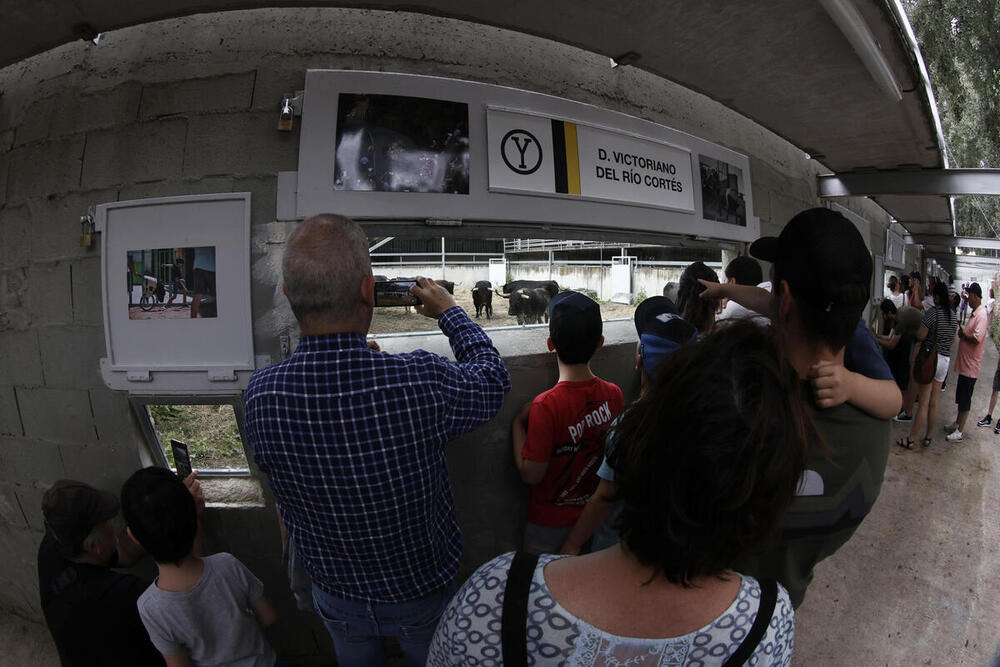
(395, 293)
(182, 460)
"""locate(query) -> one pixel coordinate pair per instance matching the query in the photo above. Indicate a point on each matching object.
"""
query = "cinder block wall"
(189, 106)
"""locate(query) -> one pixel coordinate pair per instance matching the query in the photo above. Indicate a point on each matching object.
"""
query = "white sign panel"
(627, 169)
(381, 146)
(520, 152)
(548, 156)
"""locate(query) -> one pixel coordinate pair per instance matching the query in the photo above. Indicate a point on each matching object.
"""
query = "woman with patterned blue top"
(706, 464)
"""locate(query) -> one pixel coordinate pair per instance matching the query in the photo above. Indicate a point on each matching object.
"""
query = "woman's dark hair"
(887, 306)
(941, 299)
(893, 282)
(709, 459)
(699, 312)
(161, 513)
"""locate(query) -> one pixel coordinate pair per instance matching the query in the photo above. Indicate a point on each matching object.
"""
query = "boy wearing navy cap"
(559, 436)
(661, 331)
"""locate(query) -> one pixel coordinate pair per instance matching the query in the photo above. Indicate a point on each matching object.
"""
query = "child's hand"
(191, 482)
(714, 291)
(830, 383)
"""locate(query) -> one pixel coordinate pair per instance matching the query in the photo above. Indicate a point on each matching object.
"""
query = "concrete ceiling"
(784, 63)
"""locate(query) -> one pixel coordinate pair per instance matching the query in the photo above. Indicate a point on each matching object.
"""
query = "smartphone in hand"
(395, 293)
(182, 460)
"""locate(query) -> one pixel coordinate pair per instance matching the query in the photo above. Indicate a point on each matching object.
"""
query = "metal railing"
(526, 245)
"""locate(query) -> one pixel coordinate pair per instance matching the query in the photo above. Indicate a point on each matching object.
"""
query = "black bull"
(529, 305)
(482, 298)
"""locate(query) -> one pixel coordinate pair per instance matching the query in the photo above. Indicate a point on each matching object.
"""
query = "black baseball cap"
(661, 330)
(569, 310)
(824, 260)
(974, 288)
(72, 509)
(575, 326)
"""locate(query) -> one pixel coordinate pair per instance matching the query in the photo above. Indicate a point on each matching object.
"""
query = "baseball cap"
(823, 258)
(72, 509)
(974, 288)
(661, 330)
(575, 325)
(569, 309)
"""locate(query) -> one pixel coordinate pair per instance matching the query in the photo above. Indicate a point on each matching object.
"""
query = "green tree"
(960, 43)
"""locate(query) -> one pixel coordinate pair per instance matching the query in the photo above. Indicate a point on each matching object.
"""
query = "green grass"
(210, 432)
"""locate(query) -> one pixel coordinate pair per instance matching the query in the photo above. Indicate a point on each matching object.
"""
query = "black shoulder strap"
(514, 617)
(768, 596)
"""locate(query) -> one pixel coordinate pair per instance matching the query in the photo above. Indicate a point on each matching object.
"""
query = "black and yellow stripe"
(566, 157)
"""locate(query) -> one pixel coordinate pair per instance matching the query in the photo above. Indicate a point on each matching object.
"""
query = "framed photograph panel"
(176, 290)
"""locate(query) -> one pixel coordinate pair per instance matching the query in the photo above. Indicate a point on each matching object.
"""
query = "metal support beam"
(381, 243)
(941, 241)
(944, 258)
(929, 182)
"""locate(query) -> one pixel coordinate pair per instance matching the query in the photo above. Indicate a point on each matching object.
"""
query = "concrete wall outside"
(189, 106)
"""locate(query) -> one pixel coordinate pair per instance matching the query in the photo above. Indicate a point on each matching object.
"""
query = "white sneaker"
(954, 436)
(951, 428)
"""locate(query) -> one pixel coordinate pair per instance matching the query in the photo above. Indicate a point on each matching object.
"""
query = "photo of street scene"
(171, 283)
(722, 192)
(391, 143)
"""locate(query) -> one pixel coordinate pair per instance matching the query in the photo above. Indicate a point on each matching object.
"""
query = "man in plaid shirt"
(352, 443)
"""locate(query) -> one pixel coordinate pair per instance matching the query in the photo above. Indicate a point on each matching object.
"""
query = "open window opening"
(212, 429)
(493, 278)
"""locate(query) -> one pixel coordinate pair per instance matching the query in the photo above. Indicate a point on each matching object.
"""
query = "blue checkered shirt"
(352, 443)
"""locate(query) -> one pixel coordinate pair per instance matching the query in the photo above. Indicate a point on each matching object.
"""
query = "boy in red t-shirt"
(559, 436)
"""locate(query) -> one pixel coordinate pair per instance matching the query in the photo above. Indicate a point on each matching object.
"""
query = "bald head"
(326, 258)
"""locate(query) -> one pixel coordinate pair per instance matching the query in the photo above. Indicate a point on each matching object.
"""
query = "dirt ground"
(172, 312)
(397, 320)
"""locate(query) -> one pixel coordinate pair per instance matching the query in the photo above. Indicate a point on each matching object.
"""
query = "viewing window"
(617, 275)
(209, 426)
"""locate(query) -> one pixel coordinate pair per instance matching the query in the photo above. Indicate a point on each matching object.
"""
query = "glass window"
(209, 431)
(617, 275)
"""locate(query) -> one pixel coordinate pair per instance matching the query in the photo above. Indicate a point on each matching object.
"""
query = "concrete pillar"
(727, 256)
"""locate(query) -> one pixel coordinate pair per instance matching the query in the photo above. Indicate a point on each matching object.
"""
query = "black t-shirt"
(91, 612)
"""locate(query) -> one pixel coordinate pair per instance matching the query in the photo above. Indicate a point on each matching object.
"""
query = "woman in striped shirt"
(942, 320)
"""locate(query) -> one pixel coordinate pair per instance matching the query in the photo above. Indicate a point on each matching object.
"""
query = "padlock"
(85, 240)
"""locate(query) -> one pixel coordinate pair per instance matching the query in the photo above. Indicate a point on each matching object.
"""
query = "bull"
(550, 287)
(482, 298)
(529, 305)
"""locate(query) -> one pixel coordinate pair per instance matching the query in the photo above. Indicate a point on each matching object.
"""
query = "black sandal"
(926, 442)
(908, 444)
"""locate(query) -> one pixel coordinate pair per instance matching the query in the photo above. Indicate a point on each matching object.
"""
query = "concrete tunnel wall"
(189, 106)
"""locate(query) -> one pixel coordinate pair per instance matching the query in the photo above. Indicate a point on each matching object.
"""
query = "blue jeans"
(357, 628)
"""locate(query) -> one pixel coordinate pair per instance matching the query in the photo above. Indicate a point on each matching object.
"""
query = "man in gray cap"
(91, 609)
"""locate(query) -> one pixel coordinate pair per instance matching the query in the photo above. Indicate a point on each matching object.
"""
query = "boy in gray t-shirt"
(198, 611)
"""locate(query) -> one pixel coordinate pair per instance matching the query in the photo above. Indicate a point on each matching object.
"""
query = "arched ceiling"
(787, 64)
